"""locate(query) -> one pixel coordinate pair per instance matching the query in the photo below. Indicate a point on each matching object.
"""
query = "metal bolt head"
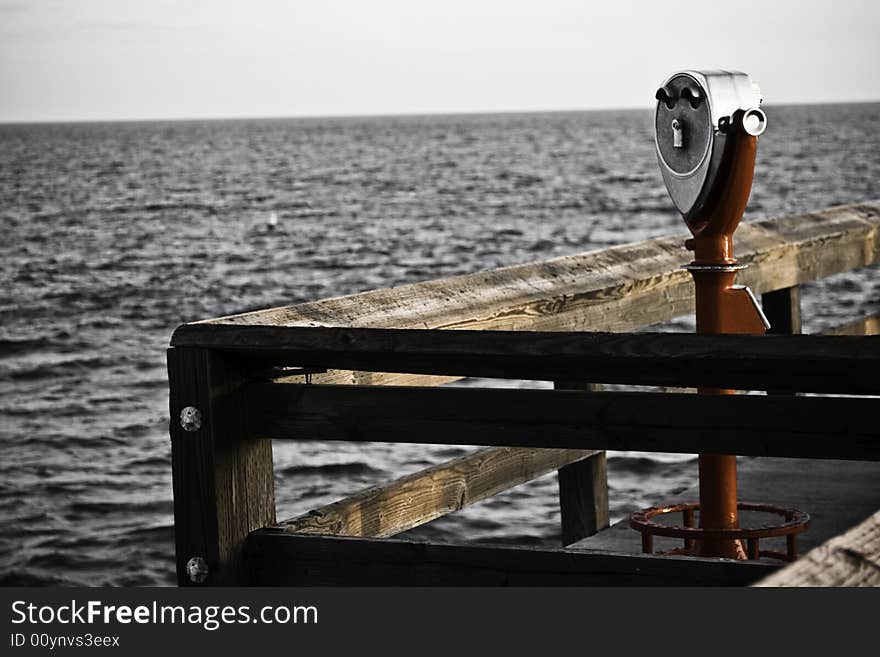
(191, 419)
(197, 570)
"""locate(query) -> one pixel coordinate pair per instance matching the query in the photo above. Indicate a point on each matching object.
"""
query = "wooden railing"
(287, 373)
(851, 559)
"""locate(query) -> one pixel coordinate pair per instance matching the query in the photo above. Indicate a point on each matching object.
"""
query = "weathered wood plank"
(614, 289)
(617, 289)
(754, 425)
(851, 559)
(223, 482)
(783, 309)
(276, 558)
(391, 508)
(805, 363)
(583, 487)
(796, 248)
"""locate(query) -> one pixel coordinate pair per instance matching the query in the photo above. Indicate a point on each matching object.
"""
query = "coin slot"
(677, 134)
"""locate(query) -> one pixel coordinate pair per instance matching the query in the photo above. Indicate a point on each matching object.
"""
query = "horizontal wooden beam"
(803, 363)
(753, 425)
(851, 559)
(276, 558)
(617, 289)
(391, 508)
(399, 505)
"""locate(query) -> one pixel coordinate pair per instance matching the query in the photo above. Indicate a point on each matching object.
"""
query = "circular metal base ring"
(795, 522)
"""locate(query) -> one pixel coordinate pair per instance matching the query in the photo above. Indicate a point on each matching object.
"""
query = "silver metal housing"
(725, 93)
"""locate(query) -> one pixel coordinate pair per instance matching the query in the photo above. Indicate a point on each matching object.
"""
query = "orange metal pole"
(722, 307)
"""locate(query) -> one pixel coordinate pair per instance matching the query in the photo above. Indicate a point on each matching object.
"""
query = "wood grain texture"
(851, 559)
(753, 425)
(223, 482)
(276, 558)
(391, 508)
(616, 289)
(805, 363)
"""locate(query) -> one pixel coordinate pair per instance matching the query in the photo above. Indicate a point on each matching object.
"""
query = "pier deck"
(836, 494)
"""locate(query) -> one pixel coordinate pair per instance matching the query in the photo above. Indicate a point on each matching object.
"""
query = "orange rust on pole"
(706, 126)
(722, 307)
(713, 228)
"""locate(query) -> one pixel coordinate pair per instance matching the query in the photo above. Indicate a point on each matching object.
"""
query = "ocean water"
(115, 233)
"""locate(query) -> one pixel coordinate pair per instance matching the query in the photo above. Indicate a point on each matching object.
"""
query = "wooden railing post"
(583, 487)
(223, 479)
(783, 309)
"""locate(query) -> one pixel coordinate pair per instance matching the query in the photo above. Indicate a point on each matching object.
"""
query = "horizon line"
(386, 115)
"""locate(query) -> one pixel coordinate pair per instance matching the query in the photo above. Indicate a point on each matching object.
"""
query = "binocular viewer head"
(701, 117)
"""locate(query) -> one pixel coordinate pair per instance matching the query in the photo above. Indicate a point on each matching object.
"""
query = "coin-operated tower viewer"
(706, 129)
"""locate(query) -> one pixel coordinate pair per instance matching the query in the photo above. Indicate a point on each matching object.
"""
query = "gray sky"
(122, 59)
